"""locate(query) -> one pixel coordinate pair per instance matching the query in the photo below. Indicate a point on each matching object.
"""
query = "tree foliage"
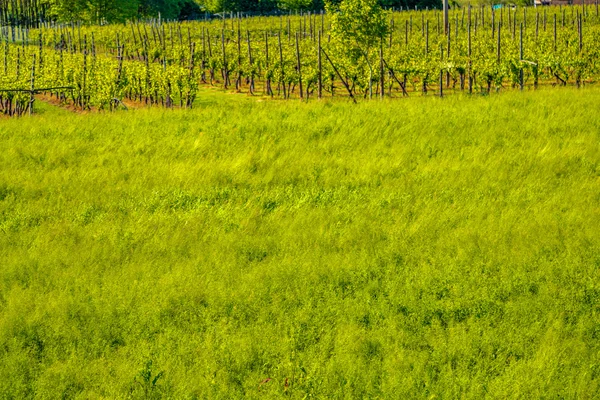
(30, 12)
(357, 24)
(357, 28)
(96, 11)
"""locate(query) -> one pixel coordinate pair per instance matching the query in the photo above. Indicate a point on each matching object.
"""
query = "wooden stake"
(251, 62)
(555, 32)
(521, 77)
(498, 44)
(32, 87)
(470, 63)
(282, 79)
(381, 71)
(299, 65)
(320, 69)
(224, 59)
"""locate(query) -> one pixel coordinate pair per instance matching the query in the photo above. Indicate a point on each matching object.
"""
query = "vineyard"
(162, 63)
(411, 235)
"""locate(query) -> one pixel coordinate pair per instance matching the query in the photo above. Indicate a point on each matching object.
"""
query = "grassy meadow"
(428, 248)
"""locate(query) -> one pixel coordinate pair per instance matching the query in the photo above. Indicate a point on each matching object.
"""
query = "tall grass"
(423, 249)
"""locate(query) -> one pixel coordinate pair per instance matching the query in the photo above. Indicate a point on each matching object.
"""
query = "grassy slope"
(401, 249)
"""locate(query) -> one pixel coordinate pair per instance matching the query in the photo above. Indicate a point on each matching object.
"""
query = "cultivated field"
(370, 54)
(421, 248)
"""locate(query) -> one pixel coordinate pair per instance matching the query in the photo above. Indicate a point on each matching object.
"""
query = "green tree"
(67, 10)
(95, 11)
(357, 29)
(295, 4)
(238, 5)
(167, 8)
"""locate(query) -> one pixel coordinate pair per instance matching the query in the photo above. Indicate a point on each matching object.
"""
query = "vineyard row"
(165, 63)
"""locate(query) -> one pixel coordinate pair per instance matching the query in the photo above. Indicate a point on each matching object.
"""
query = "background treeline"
(30, 12)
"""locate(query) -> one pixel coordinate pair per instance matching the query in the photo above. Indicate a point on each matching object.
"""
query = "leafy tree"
(65, 10)
(189, 10)
(357, 28)
(238, 5)
(421, 4)
(169, 9)
(295, 4)
(95, 11)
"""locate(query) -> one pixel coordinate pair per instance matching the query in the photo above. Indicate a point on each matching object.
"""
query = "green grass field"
(406, 249)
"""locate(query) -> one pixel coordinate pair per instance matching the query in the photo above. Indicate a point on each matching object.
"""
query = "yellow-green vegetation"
(424, 248)
(353, 50)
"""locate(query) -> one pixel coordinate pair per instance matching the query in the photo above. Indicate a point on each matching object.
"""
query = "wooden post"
(6, 57)
(94, 47)
(41, 53)
(304, 29)
(493, 23)
(299, 65)
(32, 87)
(238, 80)
(211, 69)
(470, 61)
(427, 37)
(148, 95)
(521, 77)
(120, 67)
(441, 83)
(320, 69)
(251, 62)
(18, 62)
(456, 28)
(580, 29)
(167, 102)
(515, 24)
(469, 12)
(203, 62)
(483, 17)
(555, 32)
(391, 31)
(498, 44)
(381, 72)
(84, 86)
(224, 59)
(189, 99)
(448, 57)
(282, 79)
(267, 78)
